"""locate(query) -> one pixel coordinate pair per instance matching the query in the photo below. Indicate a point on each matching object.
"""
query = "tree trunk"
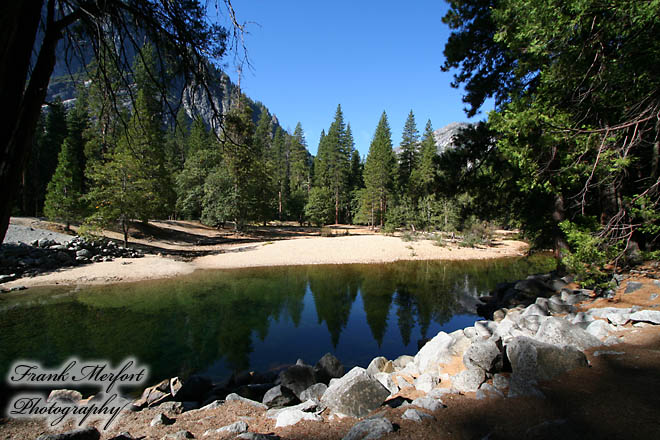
(336, 206)
(279, 204)
(124, 227)
(18, 32)
(559, 215)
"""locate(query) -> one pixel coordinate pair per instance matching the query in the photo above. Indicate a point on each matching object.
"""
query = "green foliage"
(575, 86)
(63, 195)
(478, 233)
(379, 171)
(320, 207)
(588, 252)
(408, 154)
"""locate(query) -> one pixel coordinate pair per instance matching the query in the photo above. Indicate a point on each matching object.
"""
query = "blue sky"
(368, 56)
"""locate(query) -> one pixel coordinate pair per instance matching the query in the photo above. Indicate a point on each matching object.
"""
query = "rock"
(426, 382)
(599, 329)
(298, 378)
(290, 417)
(155, 395)
(438, 393)
(488, 391)
(429, 403)
(501, 382)
(556, 305)
(376, 365)
(416, 415)
(328, 367)
(235, 428)
(499, 315)
(355, 394)
(652, 316)
(123, 436)
(403, 381)
(315, 392)
(633, 286)
(558, 331)
(485, 329)
(179, 435)
(602, 312)
(233, 397)
(65, 395)
(369, 429)
(485, 355)
(386, 380)
(213, 405)
(254, 391)
(582, 318)
(88, 433)
(192, 389)
(436, 351)
(535, 310)
(533, 288)
(160, 420)
(256, 436)
(172, 407)
(402, 361)
(653, 296)
(307, 406)
(84, 253)
(279, 396)
(468, 380)
(532, 361)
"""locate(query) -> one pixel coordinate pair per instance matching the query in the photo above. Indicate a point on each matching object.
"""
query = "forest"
(570, 154)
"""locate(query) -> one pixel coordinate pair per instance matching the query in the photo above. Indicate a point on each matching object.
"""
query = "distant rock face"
(444, 137)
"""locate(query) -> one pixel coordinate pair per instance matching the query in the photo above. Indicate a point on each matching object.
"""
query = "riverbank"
(291, 247)
(593, 374)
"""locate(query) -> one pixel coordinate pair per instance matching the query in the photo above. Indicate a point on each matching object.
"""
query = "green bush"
(588, 252)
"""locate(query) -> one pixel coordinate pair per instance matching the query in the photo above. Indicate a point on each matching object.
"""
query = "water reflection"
(217, 322)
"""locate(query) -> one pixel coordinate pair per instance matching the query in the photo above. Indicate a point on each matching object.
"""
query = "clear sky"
(368, 56)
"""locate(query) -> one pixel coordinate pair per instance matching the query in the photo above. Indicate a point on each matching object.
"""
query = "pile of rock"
(19, 260)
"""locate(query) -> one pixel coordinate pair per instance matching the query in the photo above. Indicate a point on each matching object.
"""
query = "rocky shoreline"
(542, 334)
(19, 260)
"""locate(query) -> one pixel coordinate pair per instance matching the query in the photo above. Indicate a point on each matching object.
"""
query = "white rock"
(435, 351)
(426, 382)
(387, 381)
(290, 417)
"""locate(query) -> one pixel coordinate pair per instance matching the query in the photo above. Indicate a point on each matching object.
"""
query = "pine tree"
(423, 177)
(63, 195)
(379, 171)
(203, 156)
(300, 174)
(47, 152)
(408, 154)
(333, 161)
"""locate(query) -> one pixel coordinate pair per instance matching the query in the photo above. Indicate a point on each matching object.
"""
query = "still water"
(217, 322)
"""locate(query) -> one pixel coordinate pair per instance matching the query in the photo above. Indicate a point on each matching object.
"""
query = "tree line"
(104, 165)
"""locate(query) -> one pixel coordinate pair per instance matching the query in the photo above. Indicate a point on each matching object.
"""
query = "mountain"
(444, 137)
(195, 99)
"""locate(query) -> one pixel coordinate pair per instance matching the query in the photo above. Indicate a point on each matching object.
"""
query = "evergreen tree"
(63, 195)
(47, 153)
(408, 154)
(333, 161)
(64, 191)
(299, 175)
(379, 171)
(203, 156)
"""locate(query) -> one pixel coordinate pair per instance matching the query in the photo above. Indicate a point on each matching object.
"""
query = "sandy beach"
(297, 251)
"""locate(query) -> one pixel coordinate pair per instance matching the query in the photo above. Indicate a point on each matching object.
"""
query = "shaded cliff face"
(444, 137)
(195, 99)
